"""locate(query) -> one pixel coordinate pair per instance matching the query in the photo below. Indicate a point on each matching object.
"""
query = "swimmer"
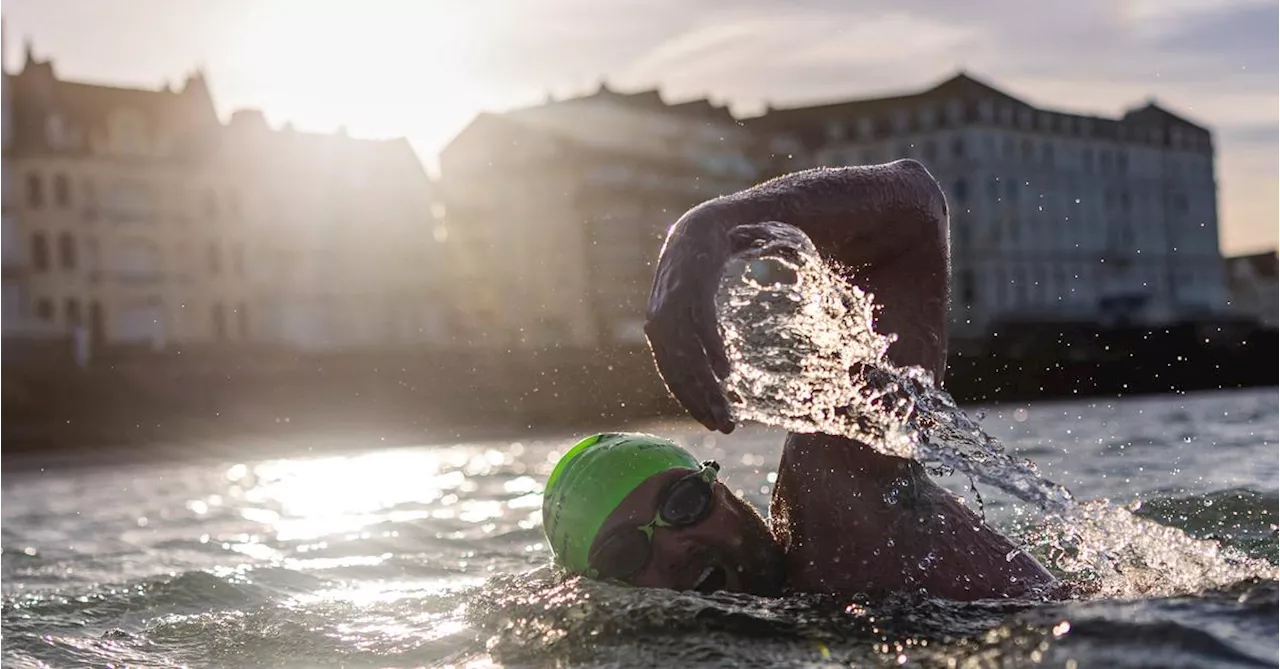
(844, 518)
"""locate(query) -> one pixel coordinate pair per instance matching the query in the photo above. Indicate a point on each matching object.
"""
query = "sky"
(423, 68)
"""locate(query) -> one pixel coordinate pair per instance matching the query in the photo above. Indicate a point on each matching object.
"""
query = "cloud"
(1214, 61)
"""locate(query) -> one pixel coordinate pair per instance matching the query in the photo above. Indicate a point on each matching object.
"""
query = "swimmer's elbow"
(925, 189)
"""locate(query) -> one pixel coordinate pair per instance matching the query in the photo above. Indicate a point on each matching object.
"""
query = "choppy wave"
(536, 620)
(433, 556)
(806, 357)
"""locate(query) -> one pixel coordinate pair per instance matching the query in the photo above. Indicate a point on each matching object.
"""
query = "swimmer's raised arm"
(887, 224)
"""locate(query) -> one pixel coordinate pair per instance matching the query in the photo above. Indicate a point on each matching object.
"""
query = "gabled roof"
(961, 86)
(809, 122)
(646, 100)
(185, 117)
(1154, 114)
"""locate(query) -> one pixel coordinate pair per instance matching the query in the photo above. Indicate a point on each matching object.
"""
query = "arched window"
(61, 191)
(67, 251)
(39, 252)
(968, 296)
(44, 309)
(35, 191)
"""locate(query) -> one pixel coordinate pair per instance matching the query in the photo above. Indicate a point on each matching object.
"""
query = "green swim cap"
(592, 479)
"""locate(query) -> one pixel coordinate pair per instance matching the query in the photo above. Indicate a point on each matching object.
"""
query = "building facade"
(555, 214)
(343, 255)
(1054, 216)
(1255, 286)
(139, 219)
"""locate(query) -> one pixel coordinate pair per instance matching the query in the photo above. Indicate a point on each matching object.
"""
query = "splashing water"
(805, 358)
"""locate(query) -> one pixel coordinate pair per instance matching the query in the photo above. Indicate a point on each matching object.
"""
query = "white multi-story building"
(1054, 216)
(142, 221)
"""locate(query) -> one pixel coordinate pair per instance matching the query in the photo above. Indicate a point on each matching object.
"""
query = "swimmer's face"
(729, 548)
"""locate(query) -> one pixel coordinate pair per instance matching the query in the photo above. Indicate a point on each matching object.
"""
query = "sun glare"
(379, 69)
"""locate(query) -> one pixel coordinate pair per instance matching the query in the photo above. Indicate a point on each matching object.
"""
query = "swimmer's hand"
(682, 326)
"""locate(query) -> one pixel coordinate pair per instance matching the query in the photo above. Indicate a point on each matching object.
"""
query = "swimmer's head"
(639, 509)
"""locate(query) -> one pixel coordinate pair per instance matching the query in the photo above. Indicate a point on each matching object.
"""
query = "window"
(1047, 152)
(1122, 162)
(901, 119)
(61, 191)
(993, 190)
(1011, 190)
(989, 146)
(1027, 150)
(1086, 159)
(35, 191)
(957, 148)
(72, 311)
(39, 252)
(961, 191)
(242, 321)
(44, 309)
(67, 251)
(928, 117)
(986, 111)
(955, 112)
(215, 259)
(219, 322)
(866, 128)
(1022, 285)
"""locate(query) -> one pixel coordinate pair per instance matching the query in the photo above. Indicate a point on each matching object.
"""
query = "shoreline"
(219, 402)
